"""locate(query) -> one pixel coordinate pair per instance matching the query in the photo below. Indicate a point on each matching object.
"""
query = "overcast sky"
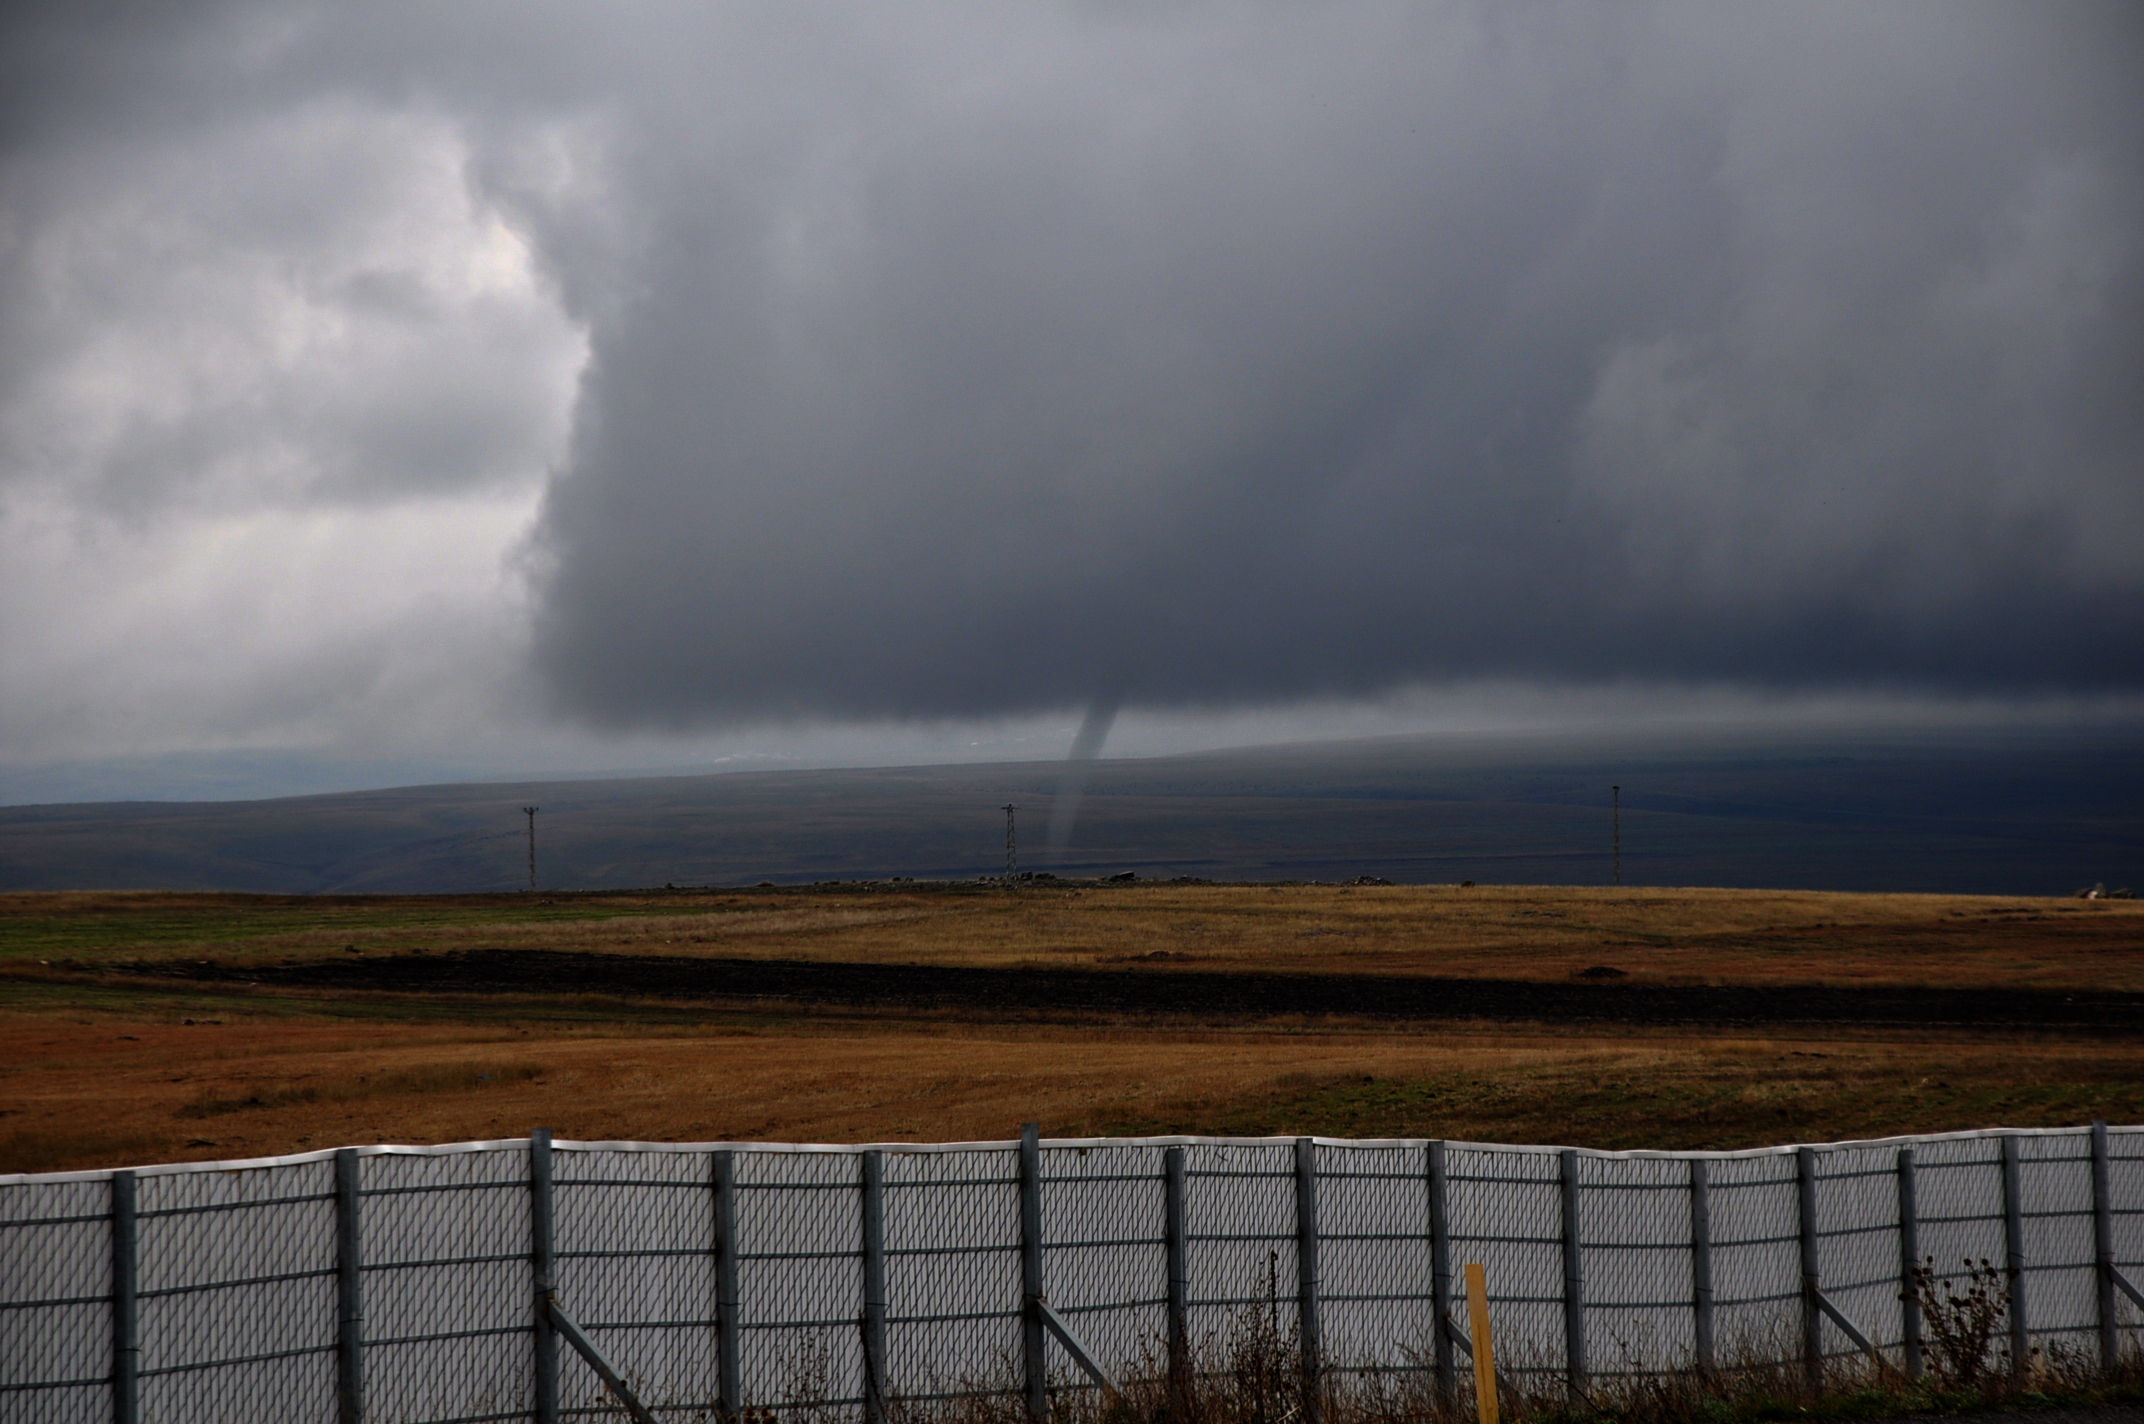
(519, 386)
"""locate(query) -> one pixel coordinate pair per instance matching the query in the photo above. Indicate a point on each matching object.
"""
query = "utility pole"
(530, 812)
(1615, 833)
(1012, 846)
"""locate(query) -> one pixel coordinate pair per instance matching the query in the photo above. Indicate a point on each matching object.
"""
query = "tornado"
(1086, 746)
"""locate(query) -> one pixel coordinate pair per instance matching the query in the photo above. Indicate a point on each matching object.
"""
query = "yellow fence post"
(1484, 1353)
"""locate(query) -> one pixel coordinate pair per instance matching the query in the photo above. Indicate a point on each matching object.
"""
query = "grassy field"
(1503, 932)
(100, 1066)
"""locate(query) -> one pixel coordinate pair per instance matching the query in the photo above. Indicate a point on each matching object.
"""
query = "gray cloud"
(970, 361)
(1212, 358)
(279, 387)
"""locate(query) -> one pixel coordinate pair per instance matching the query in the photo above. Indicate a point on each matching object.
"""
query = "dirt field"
(1165, 995)
(318, 1023)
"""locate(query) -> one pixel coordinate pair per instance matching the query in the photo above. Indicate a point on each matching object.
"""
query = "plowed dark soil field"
(1199, 996)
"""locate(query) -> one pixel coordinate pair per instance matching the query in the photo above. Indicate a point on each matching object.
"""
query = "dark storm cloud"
(981, 360)
(1204, 358)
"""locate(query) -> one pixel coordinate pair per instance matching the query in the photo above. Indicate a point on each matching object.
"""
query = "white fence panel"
(244, 1305)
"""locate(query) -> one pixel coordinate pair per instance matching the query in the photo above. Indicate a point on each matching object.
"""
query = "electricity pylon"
(530, 812)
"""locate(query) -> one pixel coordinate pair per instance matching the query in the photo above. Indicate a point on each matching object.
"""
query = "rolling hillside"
(2044, 813)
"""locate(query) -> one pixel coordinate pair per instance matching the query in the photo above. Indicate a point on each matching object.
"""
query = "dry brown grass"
(1661, 936)
(114, 1090)
(97, 1070)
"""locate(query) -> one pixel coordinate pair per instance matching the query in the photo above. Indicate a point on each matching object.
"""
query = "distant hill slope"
(2042, 813)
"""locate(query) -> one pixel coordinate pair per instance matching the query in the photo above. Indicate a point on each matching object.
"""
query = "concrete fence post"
(1701, 1263)
(1176, 1262)
(1574, 1276)
(729, 1353)
(544, 1263)
(2110, 1339)
(1306, 1277)
(2014, 1256)
(1440, 1273)
(874, 1314)
(349, 1293)
(1812, 1283)
(126, 1302)
(1034, 1363)
(1909, 1260)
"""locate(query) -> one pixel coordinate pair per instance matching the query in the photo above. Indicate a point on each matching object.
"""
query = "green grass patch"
(127, 999)
(108, 928)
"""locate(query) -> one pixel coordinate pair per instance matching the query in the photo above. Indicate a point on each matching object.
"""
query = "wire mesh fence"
(433, 1285)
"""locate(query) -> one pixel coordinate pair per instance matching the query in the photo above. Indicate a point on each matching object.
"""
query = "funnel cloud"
(1087, 744)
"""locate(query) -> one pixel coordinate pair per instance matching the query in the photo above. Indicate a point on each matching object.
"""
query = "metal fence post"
(729, 1393)
(542, 1259)
(1440, 1272)
(1701, 1262)
(1306, 1275)
(874, 1318)
(126, 1305)
(1909, 1260)
(349, 1293)
(2014, 1256)
(1812, 1313)
(1033, 1362)
(1574, 1277)
(1177, 1263)
(2110, 1340)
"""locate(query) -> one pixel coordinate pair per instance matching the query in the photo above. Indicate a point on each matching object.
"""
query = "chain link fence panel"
(225, 1291)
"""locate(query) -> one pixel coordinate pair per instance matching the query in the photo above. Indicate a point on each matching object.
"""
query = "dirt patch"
(112, 1092)
(1202, 997)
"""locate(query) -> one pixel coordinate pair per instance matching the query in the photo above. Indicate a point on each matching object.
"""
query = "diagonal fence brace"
(1073, 1347)
(2121, 1283)
(620, 1390)
(1458, 1337)
(1847, 1327)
